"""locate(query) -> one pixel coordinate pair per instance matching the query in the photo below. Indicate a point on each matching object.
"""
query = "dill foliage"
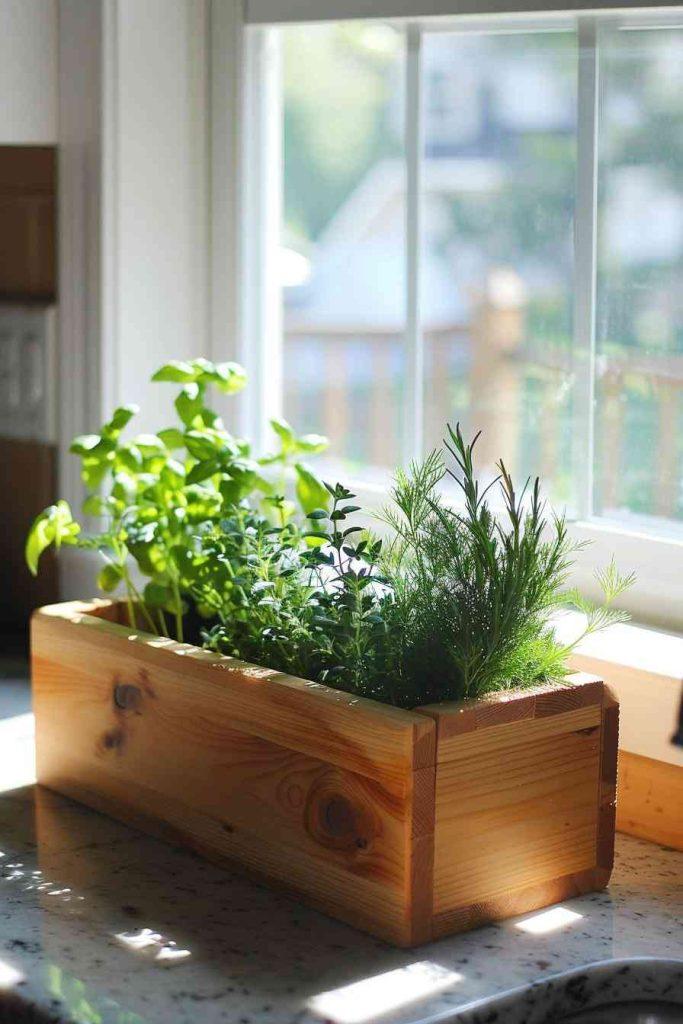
(474, 590)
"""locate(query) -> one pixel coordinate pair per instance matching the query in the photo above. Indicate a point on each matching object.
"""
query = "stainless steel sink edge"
(550, 1000)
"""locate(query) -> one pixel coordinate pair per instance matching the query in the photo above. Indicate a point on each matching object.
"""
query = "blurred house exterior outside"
(485, 356)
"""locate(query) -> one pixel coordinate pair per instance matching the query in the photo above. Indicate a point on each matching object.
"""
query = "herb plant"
(474, 591)
(312, 602)
(454, 604)
(153, 495)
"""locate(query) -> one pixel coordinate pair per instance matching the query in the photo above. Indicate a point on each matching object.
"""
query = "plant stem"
(132, 589)
(129, 605)
(178, 613)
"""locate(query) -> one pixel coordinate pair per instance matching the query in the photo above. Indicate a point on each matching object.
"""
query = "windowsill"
(645, 669)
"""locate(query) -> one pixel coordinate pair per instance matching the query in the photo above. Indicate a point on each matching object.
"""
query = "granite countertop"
(101, 924)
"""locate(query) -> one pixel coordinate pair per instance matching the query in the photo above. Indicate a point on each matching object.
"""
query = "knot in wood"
(127, 697)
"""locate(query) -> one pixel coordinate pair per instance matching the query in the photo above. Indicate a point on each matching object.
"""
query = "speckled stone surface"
(99, 923)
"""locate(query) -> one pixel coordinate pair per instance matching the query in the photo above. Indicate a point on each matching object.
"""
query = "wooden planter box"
(409, 825)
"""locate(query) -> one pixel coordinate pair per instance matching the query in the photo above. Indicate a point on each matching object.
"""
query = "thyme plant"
(312, 602)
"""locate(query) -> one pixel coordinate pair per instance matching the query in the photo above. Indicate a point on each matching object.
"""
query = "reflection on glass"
(639, 387)
(499, 172)
(343, 254)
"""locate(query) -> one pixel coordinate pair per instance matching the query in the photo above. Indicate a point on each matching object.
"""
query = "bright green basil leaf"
(84, 444)
(93, 472)
(55, 525)
(285, 433)
(312, 443)
(172, 438)
(203, 444)
(149, 445)
(129, 457)
(229, 377)
(310, 491)
(39, 538)
(314, 539)
(286, 511)
(121, 418)
(124, 487)
(238, 481)
(173, 473)
(177, 372)
(109, 577)
(202, 365)
(269, 460)
(189, 405)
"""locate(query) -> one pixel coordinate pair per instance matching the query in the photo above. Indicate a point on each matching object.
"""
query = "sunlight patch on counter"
(363, 1000)
(9, 976)
(549, 921)
(153, 945)
(17, 752)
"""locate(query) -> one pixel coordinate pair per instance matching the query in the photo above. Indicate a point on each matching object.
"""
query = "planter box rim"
(94, 611)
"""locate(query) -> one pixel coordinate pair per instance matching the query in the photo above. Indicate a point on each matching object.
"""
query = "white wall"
(158, 177)
(134, 238)
(28, 72)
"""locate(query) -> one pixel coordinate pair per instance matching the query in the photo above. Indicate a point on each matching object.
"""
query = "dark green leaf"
(203, 470)
(109, 577)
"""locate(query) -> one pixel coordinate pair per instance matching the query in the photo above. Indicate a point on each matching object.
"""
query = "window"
(480, 220)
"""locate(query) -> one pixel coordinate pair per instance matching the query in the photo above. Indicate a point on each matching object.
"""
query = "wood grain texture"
(519, 901)
(518, 800)
(650, 799)
(184, 746)
(506, 706)
(358, 734)
(405, 824)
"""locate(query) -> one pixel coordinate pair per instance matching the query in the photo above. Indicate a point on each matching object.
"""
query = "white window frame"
(657, 597)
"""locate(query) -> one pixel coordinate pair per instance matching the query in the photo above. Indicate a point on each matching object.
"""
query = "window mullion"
(585, 263)
(414, 145)
(262, 335)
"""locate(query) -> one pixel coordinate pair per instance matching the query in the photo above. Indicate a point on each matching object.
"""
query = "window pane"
(639, 388)
(343, 251)
(497, 297)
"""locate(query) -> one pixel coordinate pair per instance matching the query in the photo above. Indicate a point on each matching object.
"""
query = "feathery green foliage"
(474, 591)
